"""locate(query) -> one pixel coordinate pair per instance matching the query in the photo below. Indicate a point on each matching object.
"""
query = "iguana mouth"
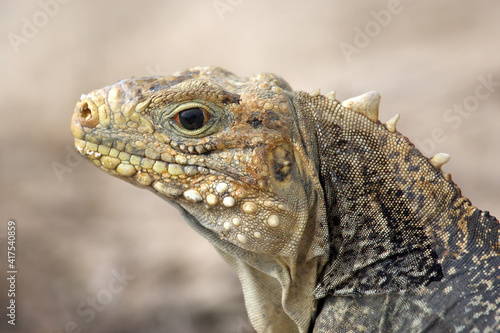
(127, 165)
(173, 178)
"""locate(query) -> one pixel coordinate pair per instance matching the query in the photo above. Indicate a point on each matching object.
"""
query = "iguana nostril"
(85, 116)
(84, 111)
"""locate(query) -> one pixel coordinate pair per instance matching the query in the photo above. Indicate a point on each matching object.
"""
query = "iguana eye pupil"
(192, 119)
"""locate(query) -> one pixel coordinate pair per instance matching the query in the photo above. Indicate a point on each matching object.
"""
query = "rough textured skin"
(333, 221)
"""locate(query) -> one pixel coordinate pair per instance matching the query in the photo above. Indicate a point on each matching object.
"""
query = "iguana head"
(228, 152)
(221, 147)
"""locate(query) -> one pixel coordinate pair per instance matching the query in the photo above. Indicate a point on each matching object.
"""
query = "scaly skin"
(332, 220)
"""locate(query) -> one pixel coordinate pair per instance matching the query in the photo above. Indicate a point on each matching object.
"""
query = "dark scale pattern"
(408, 252)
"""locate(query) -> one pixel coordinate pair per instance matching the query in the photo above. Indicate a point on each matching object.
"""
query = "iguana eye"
(192, 119)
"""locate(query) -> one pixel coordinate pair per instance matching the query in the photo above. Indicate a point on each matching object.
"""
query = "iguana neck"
(392, 215)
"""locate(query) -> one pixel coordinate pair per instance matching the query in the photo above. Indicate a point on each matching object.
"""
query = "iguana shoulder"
(327, 215)
(409, 252)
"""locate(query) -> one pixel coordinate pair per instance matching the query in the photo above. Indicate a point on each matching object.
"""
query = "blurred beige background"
(78, 228)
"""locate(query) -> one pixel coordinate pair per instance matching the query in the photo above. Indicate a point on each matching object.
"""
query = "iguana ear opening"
(280, 163)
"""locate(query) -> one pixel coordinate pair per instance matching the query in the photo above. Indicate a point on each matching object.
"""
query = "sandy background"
(76, 230)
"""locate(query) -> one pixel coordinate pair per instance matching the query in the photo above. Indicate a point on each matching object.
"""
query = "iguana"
(333, 221)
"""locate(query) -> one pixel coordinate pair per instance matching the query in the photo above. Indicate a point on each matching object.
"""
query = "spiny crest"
(366, 104)
(439, 160)
(331, 95)
(315, 93)
(391, 123)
